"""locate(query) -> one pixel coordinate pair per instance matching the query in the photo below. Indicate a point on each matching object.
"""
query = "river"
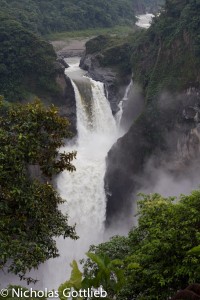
(82, 190)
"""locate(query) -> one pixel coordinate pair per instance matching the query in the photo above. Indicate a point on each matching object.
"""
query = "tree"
(27, 63)
(108, 274)
(166, 231)
(162, 254)
(55, 16)
(30, 138)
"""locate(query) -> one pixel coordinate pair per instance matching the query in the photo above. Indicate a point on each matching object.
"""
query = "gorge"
(97, 129)
(134, 107)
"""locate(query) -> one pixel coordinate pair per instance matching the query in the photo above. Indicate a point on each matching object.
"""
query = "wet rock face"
(171, 138)
(188, 140)
(65, 99)
(125, 163)
(68, 107)
(114, 85)
(63, 63)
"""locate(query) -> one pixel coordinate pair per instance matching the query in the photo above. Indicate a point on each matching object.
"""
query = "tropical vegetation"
(65, 15)
(166, 56)
(30, 136)
(27, 63)
(160, 256)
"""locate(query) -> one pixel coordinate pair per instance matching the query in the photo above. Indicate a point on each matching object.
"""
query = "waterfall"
(83, 189)
(144, 21)
(125, 98)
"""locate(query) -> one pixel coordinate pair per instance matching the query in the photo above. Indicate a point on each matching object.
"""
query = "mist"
(175, 170)
(173, 143)
(167, 183)
(132, 106)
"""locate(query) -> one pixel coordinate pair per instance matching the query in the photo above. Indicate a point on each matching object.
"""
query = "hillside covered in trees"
(165, 63)
(167, 56)
(55, 16)
(161, 254)
(27, 62)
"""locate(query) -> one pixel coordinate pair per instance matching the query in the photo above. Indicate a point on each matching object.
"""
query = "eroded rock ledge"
(161, 141)
(103, 63)
(66, 99)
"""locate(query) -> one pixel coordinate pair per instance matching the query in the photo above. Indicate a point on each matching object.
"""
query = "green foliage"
(112, 51)
(118, 30)
(165, 63)
(162, 253)
(153, 6)
(30, 137)
(56, 16)
(116, 248)
(75, 281)
(166, 56)
(26, 62)
(109, 275)
(194, 251)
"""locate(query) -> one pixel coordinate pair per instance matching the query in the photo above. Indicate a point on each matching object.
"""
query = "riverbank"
(72, 43)
(70, 47)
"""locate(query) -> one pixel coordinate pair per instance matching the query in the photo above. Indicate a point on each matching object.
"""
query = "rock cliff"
(66, 99)
(165, 62)
(104, 62)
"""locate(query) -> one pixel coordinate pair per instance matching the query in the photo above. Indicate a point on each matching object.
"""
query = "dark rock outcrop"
(124, 164)
(166, 65)
(192, 292)
(110, 77)
(67, 103)
(139, 7)
(109, 73)
(65, 97)
(63, 62)
(171, 140)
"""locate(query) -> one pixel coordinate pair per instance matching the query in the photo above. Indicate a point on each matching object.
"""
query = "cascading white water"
(83, 190)
(125, 98)
(144, 21)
